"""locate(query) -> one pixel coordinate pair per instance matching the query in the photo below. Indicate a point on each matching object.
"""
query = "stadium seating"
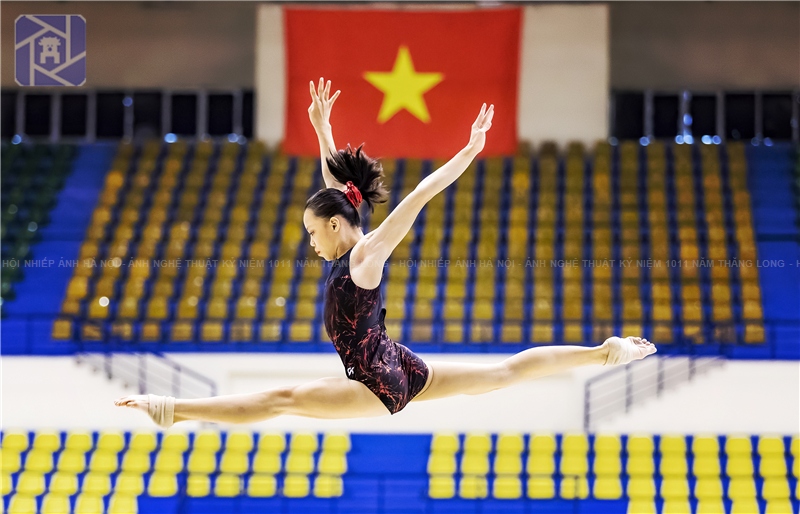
(32, 178)
(53, 472)
(90, 472)
(535, 246)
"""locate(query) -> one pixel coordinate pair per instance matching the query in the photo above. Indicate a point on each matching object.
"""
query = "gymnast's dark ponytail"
(365, 173)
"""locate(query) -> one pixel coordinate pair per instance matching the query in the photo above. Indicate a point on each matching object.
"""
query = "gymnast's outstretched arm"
(319, 112)
(379, 244)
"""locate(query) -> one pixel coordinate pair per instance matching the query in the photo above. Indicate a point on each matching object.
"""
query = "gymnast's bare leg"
(336, 398)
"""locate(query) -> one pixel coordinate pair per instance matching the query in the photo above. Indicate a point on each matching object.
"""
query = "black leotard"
(354, 322)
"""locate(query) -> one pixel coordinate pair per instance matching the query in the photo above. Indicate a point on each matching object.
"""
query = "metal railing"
(150, 373)
(618, 390)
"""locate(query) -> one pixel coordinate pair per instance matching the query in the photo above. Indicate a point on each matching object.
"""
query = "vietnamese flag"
(412, 82)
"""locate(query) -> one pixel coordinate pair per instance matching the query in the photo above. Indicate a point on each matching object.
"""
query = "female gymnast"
(382, 376)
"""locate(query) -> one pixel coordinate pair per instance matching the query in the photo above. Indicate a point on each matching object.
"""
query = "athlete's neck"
(348, 244)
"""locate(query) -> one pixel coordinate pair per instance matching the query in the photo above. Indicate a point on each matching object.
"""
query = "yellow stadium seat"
(328, 486)
(641, 488)
(22, 504)
(103, 461)
(5, 485)
(30, 483)
(674, 488)
(673, 465)
(741, 488)
(227, 485)
(779, 507)
(40, 461)
(473, 487)
(175, 441)
(72, 461)
(207, 440)
(123, 504)
(198, 485)
(543, 443)
(745, 506)
(640, 466)
(135, 461)
(775, 488)
(441, 487)
(336, 442)
(162, 484)
(261, 486)
(507, 487)
(300, 463)
(607, 465)
(739, 466)
(507, 464)
(540, 464)
(15, 441)
(641, 507)
(445, 443)
(771, 445)
(575, 443)
(272, 442)
(111, 441)
(201, 461)
(676, 506)
(88, 504)
(607, 443)
(168, 461)
(473, 463)
(267, 463)
(305, 442)
(738, 445)
(710, 506)
(296, 486)
(331, 463)
(772, 466)
(55, 504)
(708, 488)
(640, 445)
(212, 331)
(573, 464)
(441, 463)
(574, 487)
(63, 483)
(706, 465)
(672, 444)
(705, 445)
(477, 443)
(10, 461)
(239, 442)
(510, 443)
(607, 488)
(80, 441)
(234, 462)
(131, 484)
(541, 488)
(98, 484)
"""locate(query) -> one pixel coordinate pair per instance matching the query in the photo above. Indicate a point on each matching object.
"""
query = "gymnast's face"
(324, 233)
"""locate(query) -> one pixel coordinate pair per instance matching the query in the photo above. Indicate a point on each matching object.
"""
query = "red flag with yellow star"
(412, 82)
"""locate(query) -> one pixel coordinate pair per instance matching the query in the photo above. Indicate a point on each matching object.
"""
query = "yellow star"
(403, 88)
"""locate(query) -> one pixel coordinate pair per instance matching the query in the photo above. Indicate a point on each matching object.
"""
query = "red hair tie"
(353, 194)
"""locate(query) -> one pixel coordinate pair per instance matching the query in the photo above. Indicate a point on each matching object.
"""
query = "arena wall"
(745, 396)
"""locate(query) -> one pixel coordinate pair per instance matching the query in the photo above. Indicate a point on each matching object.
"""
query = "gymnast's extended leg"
(453, 378)
(324, 398)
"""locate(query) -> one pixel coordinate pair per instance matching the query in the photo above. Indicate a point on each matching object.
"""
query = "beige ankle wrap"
(162, 409)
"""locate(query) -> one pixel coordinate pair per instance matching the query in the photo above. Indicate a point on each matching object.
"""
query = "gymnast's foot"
(161, 409)
(622, 350)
